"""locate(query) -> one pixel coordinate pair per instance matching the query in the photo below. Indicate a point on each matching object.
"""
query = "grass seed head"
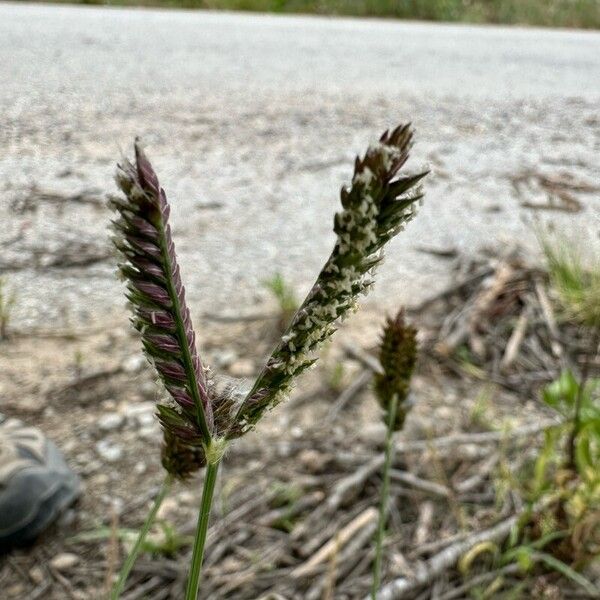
(375, 207)
(157, 298)
(398, 357)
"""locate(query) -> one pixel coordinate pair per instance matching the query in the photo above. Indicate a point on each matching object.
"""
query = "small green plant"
(577, 285)
(7, 302)
(165, 542)
(530, 554)
(584, 483)
(286, 299)
(397, 356)
(578, 288)
(561, 531)
(198, 422)
(285, 497)
(481, 411)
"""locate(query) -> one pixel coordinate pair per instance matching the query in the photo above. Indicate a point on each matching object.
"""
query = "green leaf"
(541, 480)
(568, 572)
(561, 394)
(523, 559)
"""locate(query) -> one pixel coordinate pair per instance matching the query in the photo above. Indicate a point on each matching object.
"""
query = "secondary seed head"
(398, 357)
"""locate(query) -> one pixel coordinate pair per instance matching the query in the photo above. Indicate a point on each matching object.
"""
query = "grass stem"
(585, 372)
(385, 493)
(133, 554)
(208, 489)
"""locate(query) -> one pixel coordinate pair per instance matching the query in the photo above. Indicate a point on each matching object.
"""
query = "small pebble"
(186, 497)
(224, 358)
(147, 419)
(149, 389)
(64, 561)
(134, 363)
(15, 591)
(244, 367)
(312, 460)
(149, 433)
(132, 411)
(114, 503)
(108, 451)
(168, 508)
(101, 479)
(36, 574)
(283, 449)
(68, 518)
(110, 422)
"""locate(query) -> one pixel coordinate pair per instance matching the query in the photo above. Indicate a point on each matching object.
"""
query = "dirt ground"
(304, 479)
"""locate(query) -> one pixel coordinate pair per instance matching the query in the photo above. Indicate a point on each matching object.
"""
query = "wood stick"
(483, 470)
(431, 487)
(444, 560)
(516, 339)
(485, 437)
(349, 486)
(338, 541)
(424, 522)
(548, 314)
(363, 357)
(456, 288)
(347, 395)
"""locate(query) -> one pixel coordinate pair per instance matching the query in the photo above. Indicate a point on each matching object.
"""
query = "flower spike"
(398, 357)
(160, 313)
(376, 207)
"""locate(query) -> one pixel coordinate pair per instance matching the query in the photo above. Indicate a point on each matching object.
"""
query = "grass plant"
(550, 13)
(198, 422)
(397, 356)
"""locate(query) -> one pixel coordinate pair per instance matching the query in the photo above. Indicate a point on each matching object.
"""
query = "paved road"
(252, 122)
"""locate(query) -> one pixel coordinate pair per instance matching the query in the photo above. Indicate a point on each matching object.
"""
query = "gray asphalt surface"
(253, 122)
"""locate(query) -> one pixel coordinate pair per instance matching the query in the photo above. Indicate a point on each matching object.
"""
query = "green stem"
(186, 356)
(385, 493)
(585, 372)
(208, 489)
(133, 554)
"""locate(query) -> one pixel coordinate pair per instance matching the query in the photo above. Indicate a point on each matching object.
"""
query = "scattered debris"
(560, 191)
(296, 516)
(69, 254)
(33, 198)
(497, 323)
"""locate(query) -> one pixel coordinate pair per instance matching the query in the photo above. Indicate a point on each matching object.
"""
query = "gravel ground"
(252, 123)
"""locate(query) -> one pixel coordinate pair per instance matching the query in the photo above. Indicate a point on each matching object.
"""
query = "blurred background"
(252, 121)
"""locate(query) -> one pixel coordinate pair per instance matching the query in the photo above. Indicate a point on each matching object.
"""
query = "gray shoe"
(36, 484)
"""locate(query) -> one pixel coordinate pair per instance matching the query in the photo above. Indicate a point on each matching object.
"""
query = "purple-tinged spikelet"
(160, 314)
(398, 357)
(375, 207)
